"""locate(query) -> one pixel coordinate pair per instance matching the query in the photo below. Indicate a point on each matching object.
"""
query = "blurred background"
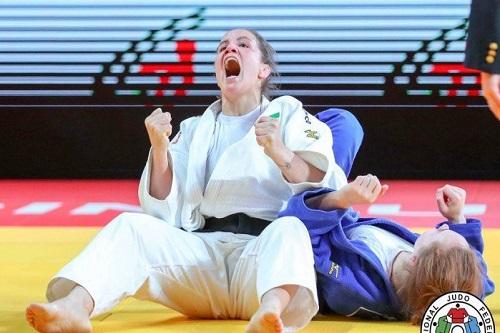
(77, 79)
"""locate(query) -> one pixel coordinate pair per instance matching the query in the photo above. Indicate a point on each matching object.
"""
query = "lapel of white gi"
(195, 182)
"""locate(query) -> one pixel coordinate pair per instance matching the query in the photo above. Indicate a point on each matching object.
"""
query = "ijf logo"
(457, 312)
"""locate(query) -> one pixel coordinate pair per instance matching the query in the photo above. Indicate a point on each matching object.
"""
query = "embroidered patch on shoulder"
(312, 134)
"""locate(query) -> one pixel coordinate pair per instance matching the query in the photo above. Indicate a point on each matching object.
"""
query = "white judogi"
(384, 244)
(245, 180)
(216, 274)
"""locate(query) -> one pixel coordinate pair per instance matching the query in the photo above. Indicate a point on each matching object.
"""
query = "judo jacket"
(351, 280)
(244, 180)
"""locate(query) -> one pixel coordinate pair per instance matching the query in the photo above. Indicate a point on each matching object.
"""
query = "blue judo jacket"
(351, 279)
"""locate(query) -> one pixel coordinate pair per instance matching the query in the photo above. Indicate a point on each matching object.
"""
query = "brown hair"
(267, 52)
(437, 272)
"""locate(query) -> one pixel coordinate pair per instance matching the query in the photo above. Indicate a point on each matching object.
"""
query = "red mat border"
(416, 199)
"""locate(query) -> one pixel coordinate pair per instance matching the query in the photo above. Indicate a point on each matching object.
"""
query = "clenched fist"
(267, 131)
(363, 190)
(451, 202)
(159, 129)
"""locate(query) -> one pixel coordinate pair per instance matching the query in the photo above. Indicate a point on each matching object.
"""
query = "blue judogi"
(351, 279)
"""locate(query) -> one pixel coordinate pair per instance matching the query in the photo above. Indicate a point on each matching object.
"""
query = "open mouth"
(232, 67)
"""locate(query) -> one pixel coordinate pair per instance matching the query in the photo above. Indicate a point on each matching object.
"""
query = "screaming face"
(238, 66)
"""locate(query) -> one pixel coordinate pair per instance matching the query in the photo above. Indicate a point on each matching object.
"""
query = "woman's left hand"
(451, 202)
(268, 133)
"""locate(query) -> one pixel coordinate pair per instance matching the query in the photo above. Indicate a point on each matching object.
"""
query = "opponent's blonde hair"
(435, 273)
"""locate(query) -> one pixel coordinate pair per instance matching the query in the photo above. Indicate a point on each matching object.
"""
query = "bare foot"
(265, 321)
(54, 318)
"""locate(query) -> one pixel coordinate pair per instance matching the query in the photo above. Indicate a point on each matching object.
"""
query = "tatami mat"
(43, 224)
(30, 256)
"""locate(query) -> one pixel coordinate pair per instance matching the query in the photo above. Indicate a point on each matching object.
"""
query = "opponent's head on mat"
(442, 262)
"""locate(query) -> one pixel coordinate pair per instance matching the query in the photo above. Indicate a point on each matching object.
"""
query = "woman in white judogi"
(244, 156)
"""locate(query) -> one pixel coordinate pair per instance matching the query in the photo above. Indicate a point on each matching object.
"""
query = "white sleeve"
(169, 208)
(311, 140)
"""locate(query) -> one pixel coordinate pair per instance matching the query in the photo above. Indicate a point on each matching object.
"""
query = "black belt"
(238, 223)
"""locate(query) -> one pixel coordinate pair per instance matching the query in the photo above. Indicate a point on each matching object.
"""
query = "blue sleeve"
(347, 135)
(471, 231)
(318, 222)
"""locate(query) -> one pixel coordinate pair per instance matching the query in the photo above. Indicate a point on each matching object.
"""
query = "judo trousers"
(217, 275)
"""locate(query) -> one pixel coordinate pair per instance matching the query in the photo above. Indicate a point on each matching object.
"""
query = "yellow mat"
(30, 256)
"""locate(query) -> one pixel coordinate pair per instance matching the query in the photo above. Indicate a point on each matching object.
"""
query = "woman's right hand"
(159, 130)
(363, 190)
